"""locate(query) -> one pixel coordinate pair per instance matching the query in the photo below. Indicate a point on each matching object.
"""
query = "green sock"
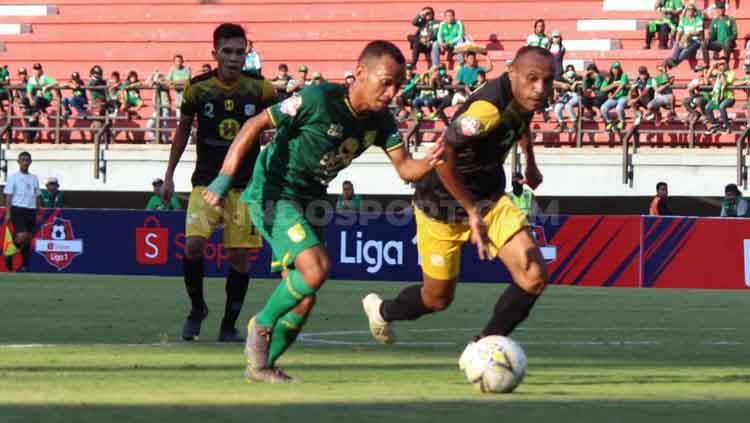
(284, 334)
(290, 291)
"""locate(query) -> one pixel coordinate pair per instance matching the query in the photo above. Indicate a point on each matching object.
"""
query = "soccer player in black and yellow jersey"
(222, 100)
(464, 199)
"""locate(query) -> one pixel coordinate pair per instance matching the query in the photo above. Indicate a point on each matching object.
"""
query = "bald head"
(531, 76)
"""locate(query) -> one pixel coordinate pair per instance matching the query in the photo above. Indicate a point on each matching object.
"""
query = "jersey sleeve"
(477, 121)
(388, 136)
(297, 109)
(189, 105)
(9, 185)
(268, 94)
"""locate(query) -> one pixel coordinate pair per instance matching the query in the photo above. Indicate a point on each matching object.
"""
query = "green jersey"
(155, 203)
(4, 76)
(35, 85)
(317, 135)
(52, 201)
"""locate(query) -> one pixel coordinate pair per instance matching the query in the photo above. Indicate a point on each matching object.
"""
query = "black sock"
(236, 289)
(9, 263)
(25, 253)
(193, 273)
(407, 305)
(511, 309)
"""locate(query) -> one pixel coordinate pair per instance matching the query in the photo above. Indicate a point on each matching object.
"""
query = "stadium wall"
(619, 251)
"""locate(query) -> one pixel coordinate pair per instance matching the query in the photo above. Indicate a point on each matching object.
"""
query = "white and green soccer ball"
(494, 364)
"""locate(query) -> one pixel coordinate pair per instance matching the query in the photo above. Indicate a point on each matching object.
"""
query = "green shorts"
(285, 227)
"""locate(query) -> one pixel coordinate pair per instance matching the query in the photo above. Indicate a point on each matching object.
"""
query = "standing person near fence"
(22, 202)
(222, 100)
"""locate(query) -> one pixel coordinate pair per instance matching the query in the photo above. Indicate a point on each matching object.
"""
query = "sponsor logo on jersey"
(228, 129)
(470, 126)
(57, 244)
(249, 109)
(291, 105)
(228, 105)
(297, 233)
(335, 131)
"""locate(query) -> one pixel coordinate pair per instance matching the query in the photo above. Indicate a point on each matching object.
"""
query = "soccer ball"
(493, 364)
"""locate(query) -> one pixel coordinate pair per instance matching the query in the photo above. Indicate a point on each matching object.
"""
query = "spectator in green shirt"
(450, 35)
(179, 76)
(696, 100)
(592, 96)
(661, 85)
(39, 89)
(408, 91)
(722, 35)
(689, 36)
(4, 84)
(733, 204)
(616, 86)
(78, 100)
(52, 197)
(665, 25)
(155, 202)
(348, 201)
(722, 97)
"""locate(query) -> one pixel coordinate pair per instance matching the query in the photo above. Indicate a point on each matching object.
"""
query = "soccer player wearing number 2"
(318, 133)
(222, 100)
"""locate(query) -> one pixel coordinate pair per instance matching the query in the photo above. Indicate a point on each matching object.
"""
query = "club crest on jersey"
(470, 126)
(228, 105)
(291, 105)
(249, 109)
(297, 233)
(336, 131)
(228, 129)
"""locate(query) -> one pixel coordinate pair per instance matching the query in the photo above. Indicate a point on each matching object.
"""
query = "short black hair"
(284, 67)
(24, 153)
(347, 182)
(430, 9)
(526, 50)
(379, 48)
(732, 188)
(451, 11)
(115, 73)
(180, 56)
(226, 31)
(661, 184)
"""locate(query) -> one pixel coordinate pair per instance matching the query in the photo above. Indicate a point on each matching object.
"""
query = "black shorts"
(23, 219)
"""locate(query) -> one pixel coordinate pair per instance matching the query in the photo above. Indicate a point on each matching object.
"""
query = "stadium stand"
(326, 35)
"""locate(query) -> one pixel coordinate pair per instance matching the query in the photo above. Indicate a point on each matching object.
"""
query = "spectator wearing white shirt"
(733, 205)
(22, 198)
(252, 59)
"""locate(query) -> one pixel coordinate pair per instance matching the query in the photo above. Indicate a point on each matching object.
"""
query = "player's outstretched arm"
(175, 153)
(411, 169)
(243, 142)
(533, 177)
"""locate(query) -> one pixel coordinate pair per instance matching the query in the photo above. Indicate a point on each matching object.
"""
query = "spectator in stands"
(132, 101)
(301, 82)
(666, 24)
(443, 83)
(78, 100)
(467, 75)
(178, 77)
(640, 94)
(659, 206)
(163, 99)
(696, 100)
(21, 98)
(661, 85)
(567, 98)
(349, 78)
(52, 197)
(747, 55)
(98, 90)
(317, 78)
(538, 38)
(616, 86)
(422, 41)
(734, 205)
(722, 35)
(156, 203)
(281, 81)
(252, 59)
(558, 53)
(689, 36)
(115, 86)
(39, 90)
(722, 97)
(348, 201)
(206, 68)
(4, 84)
(425, 97)
(408, 91)
(592, 96)
(523, 198)
(450, 34)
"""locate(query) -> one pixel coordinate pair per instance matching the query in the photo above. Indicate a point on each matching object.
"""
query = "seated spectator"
(734, 205)
(538, 38)
(4, 84)
(666, 24)
(722, 35)
(747, 55)
(178, 77)
(317, 78)
(427, 30)
(689, 36)
(78, 100)
(640, 94)
(156, 203)
(206, 68)
(661, 85)
(425, 97)
(616, 86)
(450, 35)
(115, 88)
(348, 201)
(467, 74)
(659, 206)
(349, 78)
(442, 82)
(281, 81)
(558, 53)
(721, 98)
(98, 90)
(39, 90)
(296, 85)
(696, 100)
(408, 92)
(567, 98)
(592, 96)
(132, 101)
(20, 97)
(52, 197)
(252, 60)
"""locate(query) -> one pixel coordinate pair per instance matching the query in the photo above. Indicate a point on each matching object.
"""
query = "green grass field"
(104, 348)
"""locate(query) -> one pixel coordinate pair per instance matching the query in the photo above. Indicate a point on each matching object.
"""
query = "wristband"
(220, 185)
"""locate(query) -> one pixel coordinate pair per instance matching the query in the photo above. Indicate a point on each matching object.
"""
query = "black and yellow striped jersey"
(482, 134)
(221, 110)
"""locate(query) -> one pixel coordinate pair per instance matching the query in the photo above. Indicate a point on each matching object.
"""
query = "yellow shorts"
(440, 243)
(202, 220)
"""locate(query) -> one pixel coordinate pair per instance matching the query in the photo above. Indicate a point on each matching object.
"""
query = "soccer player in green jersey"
(318, 133)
